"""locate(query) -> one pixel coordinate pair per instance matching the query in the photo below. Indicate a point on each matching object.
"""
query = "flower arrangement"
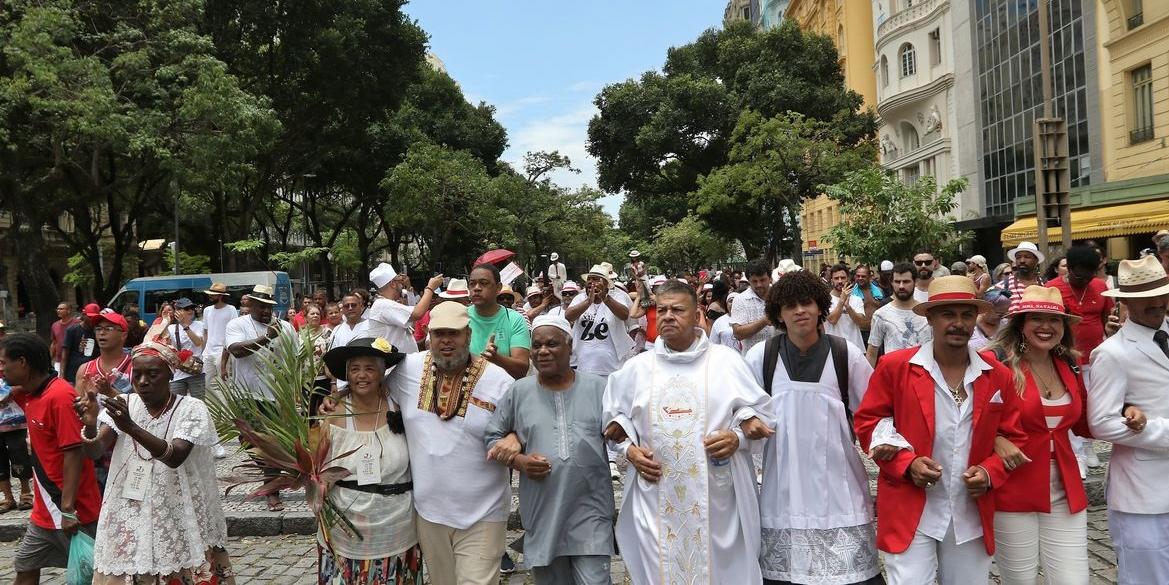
(278, 434)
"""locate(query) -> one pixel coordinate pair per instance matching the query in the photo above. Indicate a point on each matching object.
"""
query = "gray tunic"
(570, 512)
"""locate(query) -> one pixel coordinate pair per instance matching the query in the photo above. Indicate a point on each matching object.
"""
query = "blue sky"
(541, 63)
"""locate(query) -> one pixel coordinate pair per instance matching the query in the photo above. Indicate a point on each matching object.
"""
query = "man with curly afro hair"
(817, 524)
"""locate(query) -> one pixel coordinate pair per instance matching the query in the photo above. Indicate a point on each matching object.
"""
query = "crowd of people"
(735, 408)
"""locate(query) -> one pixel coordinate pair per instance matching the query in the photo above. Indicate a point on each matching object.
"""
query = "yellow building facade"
(849, 23)
(1124, 211)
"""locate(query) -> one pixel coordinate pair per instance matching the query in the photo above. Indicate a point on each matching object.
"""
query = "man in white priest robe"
(683, 414)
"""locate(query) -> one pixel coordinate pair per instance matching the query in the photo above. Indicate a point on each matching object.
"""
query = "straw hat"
(263, 294)
(1140, 278)
(554, 257)
(217, 288)
(456, 289)
(599, 271)
(1026, 247)
(952, 290)
(507, 290)
(1042, 299)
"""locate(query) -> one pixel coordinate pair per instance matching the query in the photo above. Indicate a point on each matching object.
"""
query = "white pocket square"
(997, 398)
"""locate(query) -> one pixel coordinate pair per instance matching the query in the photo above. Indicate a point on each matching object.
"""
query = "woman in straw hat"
(1041, 516)
(377, 496)
(161, 518)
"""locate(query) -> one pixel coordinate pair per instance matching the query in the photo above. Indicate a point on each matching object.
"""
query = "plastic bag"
(80, 569)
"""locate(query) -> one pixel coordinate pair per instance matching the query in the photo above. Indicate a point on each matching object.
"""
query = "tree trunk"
(29, 247)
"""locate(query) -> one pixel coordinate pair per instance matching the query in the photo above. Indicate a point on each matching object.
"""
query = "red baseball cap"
(91, 310)
(111, 316)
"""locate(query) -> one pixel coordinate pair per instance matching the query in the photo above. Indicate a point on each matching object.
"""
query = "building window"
(1135, 13)
(909, 138)
(908, 59)
(936, 47)
(884, 71)
(1142, 104)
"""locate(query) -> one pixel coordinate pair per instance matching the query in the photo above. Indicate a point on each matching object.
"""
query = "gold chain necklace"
(1046, 384)
(956, 392)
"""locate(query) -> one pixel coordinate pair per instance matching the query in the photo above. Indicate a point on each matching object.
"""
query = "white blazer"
(1130, 369)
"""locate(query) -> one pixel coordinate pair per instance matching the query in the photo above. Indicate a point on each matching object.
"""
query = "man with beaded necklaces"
(447, 396)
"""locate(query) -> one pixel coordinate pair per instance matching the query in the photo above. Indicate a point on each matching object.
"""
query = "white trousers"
(1058, 541)
(1142, 547)
(948, 562)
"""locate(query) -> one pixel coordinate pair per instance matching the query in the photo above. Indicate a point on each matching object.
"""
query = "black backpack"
(838, 350)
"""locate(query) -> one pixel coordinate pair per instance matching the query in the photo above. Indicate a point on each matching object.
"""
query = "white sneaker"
(220, 452)
(1091, 458)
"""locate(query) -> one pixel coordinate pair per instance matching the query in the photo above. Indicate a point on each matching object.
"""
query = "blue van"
(150, 292)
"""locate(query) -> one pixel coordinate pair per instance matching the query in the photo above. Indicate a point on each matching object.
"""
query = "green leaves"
(880, 213)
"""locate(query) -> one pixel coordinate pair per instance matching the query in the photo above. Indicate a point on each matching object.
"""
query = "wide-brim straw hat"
(1043, 299)
(599, 271)
(507, 290)
(1139, 279)
(262, 293)
(336, 359)
(952, 290)
(456, 289)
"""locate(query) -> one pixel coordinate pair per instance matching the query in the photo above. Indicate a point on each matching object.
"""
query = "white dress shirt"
(947, 502)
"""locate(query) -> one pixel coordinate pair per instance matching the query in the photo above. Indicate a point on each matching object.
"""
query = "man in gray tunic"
(566, 495)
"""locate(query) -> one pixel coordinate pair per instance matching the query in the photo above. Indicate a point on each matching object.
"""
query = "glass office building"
(1006, 36)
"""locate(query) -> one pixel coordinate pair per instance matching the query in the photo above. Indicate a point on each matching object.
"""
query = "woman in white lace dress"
(161, 519)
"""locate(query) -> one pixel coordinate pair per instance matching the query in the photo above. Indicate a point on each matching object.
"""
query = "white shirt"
(176, 331)
(722, 334)
(600, 341)
(390, 320)
(845, 327)
(947, 502)
(454, 483)
(246, 370)
(898, 329)
(344, 333)
(748, 307)
(921, 296)
(215, 322)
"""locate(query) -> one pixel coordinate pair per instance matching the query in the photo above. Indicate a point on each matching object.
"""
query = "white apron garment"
(699, 523)
(817, 526)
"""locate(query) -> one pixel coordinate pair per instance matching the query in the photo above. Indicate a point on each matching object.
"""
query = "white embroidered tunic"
(179, 516)
(700, 522)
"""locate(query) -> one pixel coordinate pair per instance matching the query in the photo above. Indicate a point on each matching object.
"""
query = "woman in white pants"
(1040, 517)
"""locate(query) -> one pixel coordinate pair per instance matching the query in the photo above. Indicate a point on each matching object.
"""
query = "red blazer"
(1030, 487)
(905, 392)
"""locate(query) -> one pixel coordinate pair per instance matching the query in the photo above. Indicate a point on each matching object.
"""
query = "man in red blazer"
(946, 403)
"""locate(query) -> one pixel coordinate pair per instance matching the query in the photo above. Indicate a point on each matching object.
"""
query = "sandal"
(274, 504)
(25, 502)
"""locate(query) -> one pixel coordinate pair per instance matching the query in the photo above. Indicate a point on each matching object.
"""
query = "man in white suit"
(1132, 368)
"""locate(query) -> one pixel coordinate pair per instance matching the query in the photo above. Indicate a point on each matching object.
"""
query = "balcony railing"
(1136, 20)
(1140, 135)
(918, 10)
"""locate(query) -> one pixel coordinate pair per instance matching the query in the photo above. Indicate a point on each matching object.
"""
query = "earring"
(1022, 347)
(1060, 350)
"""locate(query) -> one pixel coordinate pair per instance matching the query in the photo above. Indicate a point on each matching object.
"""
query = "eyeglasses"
(106, 329)
(923, 262)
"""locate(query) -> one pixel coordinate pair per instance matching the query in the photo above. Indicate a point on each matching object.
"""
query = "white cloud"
(566, 132)
(515, 107)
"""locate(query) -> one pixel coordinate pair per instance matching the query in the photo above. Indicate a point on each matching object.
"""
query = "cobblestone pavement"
(291, 558)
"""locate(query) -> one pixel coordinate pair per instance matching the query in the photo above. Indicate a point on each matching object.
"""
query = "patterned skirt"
(401, 569)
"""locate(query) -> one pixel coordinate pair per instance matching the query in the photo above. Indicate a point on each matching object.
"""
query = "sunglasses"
(923, 262)
(568, 294)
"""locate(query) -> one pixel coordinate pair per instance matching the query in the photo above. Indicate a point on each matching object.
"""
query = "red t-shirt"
(53, 428)
(58, 331)
(298, 320)
(1090, 304)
